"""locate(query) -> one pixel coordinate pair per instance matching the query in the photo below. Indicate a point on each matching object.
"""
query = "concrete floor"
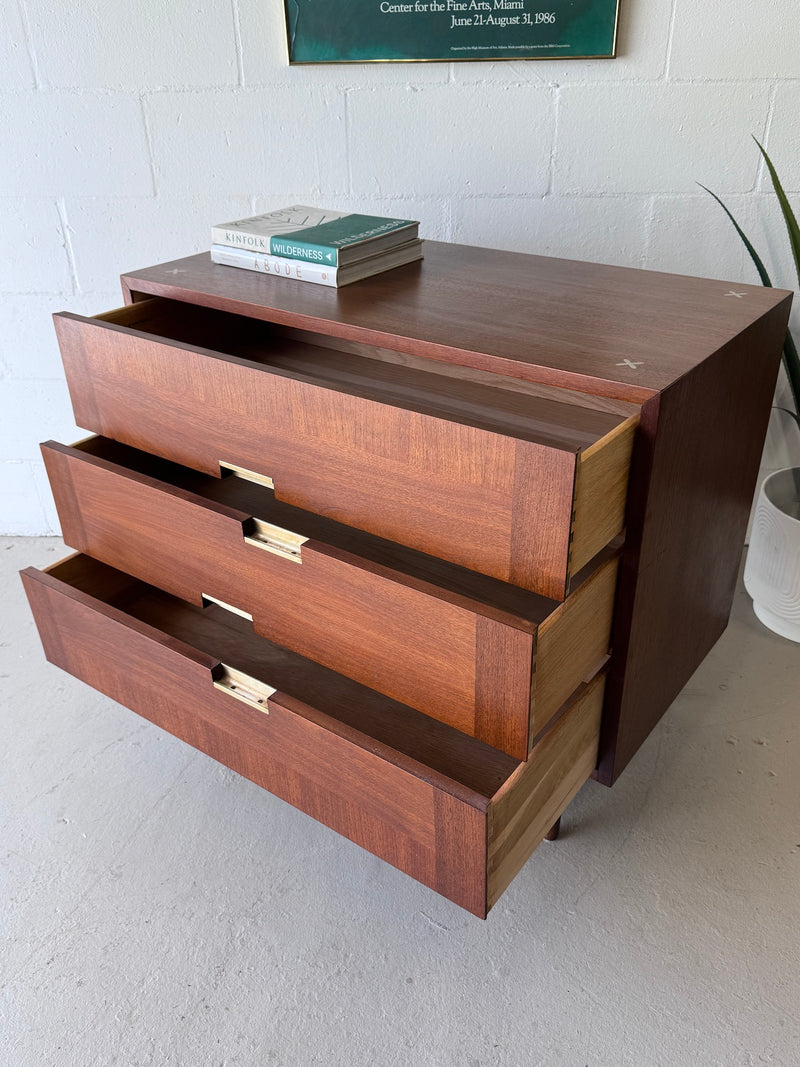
(159, 910)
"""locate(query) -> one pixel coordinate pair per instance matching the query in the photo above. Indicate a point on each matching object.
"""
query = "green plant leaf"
(791, 360)
(786, 208)
(762, 270)
(793, 414)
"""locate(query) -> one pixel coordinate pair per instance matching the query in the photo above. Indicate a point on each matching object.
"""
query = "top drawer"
(486, 473)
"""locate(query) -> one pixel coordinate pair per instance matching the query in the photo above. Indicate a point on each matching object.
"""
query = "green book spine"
(305, 250)
(321, 244)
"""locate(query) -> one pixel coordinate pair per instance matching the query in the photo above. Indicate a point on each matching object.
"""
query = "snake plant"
(791, 360)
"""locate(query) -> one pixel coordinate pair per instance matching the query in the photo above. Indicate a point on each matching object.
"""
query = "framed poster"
(368, 31)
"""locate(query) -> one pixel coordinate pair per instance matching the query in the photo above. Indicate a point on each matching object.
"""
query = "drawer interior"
(258, 501)
(487, 401)
(230, 639)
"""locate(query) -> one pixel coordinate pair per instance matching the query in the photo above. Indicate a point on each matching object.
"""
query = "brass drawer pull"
(208, 599)
(243, 687)
(263, 534)
(274, 539)
(249, 476)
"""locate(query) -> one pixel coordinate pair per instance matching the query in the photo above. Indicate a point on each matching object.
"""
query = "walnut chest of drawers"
(419, 555)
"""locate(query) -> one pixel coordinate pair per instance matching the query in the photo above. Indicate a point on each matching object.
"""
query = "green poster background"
(358, 31)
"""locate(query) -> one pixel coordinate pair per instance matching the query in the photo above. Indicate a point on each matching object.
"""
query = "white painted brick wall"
(130, 128)
(34, 257)
(158, 229)
(63, 143)
(723, 38)
(598, 229)
(230, 143)
(686, 128)
(448, 141)
(97, 44)
(16, 68)
(784, 139)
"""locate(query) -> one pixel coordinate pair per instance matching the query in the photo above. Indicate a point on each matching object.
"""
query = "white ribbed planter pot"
(772, 570)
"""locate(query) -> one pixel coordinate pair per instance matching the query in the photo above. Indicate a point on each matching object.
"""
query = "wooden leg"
(552, 833)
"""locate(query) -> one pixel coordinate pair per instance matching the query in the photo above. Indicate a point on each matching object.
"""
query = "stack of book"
(310, 245)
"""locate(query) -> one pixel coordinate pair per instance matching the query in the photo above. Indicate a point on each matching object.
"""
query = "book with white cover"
(313, 235)
(317, 273)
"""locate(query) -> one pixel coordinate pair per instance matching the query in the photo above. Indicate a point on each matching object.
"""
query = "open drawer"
(492, 660)
(484, 473)
(447, 809)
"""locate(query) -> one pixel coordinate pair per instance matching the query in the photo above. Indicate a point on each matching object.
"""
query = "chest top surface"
(613, 331)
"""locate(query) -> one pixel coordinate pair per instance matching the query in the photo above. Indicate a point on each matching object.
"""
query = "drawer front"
(461, 661)
(368, 796)
(453, 813)
(495, 503)
(525, 808)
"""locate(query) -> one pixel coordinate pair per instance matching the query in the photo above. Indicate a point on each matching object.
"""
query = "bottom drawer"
(449, 810)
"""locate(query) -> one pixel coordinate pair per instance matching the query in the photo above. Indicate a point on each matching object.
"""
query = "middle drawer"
(490, 659)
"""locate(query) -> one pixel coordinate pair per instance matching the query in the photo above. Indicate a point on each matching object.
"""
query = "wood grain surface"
(700, 360)
(456, 370)
(555, 321)
(438, 805)
(498, 503)
(539, 791)
(601, 493)
(465, 660)
(354, 784)
(692, 483)
(571, 643)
